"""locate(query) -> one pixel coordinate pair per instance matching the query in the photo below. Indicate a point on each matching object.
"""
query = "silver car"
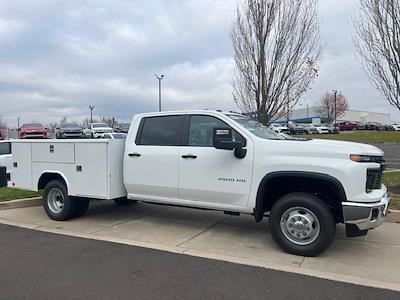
(69, 131)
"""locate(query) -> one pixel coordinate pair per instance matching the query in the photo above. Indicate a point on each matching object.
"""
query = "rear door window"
(160, 131)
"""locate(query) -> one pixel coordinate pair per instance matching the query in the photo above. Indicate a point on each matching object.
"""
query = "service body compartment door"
(22, 165)
(91, 170)
(53, 152)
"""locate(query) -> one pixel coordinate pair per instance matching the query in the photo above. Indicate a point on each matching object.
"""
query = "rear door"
(151, 166)
(209, 176)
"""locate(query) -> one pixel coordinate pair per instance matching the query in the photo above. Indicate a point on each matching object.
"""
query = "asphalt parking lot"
(39, 265)
(371, 260)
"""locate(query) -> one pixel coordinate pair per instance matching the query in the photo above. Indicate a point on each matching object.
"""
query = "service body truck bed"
(91, 168)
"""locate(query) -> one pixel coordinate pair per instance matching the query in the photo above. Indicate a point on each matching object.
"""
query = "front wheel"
(302, 224)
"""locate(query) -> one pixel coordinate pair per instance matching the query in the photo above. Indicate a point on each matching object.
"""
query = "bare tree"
(276, 46)
(327, 105)
(377, 43)
(3, 124)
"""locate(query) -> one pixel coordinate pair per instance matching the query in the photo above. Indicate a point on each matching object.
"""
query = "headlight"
(367, 158)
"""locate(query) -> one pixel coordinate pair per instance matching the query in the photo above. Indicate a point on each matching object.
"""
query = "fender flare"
(259, 207)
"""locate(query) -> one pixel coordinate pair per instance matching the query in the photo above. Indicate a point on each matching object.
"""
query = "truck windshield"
(256, 128)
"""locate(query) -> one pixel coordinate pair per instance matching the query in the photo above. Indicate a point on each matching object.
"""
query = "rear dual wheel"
(59, 206)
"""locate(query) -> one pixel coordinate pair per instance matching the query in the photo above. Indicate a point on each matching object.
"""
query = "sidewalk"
(371, 260)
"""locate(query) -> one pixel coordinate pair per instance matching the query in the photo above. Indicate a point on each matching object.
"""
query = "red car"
(350, 126)
(33, 131)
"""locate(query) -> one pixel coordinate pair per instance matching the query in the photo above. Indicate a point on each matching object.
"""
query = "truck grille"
(375, 176)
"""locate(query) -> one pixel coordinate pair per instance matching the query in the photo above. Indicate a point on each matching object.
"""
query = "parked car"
(345, 126)
(6, 157)
(278, 128)
(374, 126)
(296, 129)
(333, 129)
(98, 129)
(69, 131)
(388, 127)
(33, 130)
(396, 126)
(310, 128)
(114, 136)
(123, 127)
(321, 128)
(206, 159)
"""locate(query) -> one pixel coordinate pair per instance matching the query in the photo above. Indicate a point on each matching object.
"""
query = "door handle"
(134, 154)
(189, 156)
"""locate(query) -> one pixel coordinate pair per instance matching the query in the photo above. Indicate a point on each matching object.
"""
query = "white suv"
(98, 129)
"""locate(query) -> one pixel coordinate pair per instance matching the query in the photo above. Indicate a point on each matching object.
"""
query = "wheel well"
(275, 185)
(45, 178)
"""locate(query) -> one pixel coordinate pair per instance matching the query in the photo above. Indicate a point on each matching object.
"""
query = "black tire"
(82, 205)
(57, 189)
(124, 201)
(321, 211)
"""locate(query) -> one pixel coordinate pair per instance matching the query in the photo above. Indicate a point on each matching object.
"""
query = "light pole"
(335, 95)
(308, 107)
(91, 113)
(18, 118)
(161, 77)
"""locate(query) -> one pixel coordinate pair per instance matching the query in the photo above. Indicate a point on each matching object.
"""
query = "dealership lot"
(371, 260)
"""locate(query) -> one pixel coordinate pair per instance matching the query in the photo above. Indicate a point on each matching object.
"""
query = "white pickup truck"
(220, 161)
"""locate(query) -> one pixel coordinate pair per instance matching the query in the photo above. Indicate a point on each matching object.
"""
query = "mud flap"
(353, 231)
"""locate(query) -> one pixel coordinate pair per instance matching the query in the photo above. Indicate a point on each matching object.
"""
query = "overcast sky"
(59, 57)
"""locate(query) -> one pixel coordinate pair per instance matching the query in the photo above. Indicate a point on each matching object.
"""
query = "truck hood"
(319, 147)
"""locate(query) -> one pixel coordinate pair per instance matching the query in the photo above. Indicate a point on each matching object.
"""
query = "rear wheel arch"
(276, 184)
(49, 176)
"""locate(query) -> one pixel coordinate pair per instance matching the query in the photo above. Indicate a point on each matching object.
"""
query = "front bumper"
(366, 215)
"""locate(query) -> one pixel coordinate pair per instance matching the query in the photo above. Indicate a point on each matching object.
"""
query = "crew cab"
(33, 130)
(98, 129)
(220, 161)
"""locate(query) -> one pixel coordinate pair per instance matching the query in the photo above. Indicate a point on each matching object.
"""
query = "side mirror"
(222, 139)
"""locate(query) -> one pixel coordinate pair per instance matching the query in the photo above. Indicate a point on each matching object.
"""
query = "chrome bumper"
(366, 215)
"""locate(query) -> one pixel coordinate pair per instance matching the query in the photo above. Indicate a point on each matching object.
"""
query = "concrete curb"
(28, 202)
(393, 216)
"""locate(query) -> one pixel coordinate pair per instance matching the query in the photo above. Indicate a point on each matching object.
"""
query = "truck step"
(231, 213)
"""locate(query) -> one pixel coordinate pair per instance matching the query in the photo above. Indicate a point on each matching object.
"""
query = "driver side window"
(201, 131)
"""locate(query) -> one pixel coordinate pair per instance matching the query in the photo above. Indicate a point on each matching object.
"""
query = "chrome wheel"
(300, 225)
(55, 200)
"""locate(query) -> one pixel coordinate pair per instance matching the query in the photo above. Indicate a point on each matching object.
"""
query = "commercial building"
(309, 114)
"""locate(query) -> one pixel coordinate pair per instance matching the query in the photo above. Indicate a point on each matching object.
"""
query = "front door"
(213, 177)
